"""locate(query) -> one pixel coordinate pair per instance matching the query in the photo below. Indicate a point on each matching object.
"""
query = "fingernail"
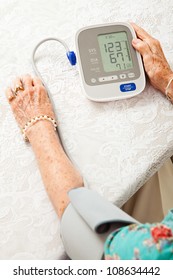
(136, 41)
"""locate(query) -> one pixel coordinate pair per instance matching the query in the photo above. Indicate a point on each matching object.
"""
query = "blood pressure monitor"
(110, 67)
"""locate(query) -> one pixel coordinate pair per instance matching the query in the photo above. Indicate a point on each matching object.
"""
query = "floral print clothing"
(142, 241)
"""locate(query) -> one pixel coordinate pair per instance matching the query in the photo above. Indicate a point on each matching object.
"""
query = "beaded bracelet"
(166, 91)
(34, 120)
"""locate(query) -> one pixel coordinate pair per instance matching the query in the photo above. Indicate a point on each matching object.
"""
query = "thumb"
(141, 46)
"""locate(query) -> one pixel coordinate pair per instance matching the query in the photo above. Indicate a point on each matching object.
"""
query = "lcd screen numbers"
(115, 51)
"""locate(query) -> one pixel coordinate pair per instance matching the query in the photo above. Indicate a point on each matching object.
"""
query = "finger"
(9, 94)
(17, 83)
(36, 82)
(142, 47)
(27, 81)
(141, 33)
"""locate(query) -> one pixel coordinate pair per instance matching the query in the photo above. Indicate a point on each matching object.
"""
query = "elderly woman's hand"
(155, 63)
(30, 101)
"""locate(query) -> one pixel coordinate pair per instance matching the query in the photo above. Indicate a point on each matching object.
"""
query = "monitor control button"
(113, 78)
(131, 75)
(108, 78)
(128, 87)
(93, 80)
(123, 76)
(103, 79)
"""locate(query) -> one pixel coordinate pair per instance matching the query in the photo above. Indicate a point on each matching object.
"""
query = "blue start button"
(127, 87)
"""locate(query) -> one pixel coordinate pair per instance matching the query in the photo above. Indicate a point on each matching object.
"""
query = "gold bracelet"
(166, 91)
(34, 120)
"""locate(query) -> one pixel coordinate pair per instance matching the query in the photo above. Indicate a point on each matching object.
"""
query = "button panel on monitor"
(115, 77)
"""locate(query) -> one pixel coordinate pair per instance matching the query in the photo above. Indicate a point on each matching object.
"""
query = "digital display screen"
(115, 51)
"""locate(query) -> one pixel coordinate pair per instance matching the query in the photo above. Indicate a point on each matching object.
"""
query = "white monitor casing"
(111, 90)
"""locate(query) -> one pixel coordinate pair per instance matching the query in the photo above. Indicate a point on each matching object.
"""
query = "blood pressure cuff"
(87, 222)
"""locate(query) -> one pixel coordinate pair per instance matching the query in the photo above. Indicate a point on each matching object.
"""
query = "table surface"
(117, 145)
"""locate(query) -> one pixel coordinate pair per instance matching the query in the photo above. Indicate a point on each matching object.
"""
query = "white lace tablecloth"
(117, 145)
